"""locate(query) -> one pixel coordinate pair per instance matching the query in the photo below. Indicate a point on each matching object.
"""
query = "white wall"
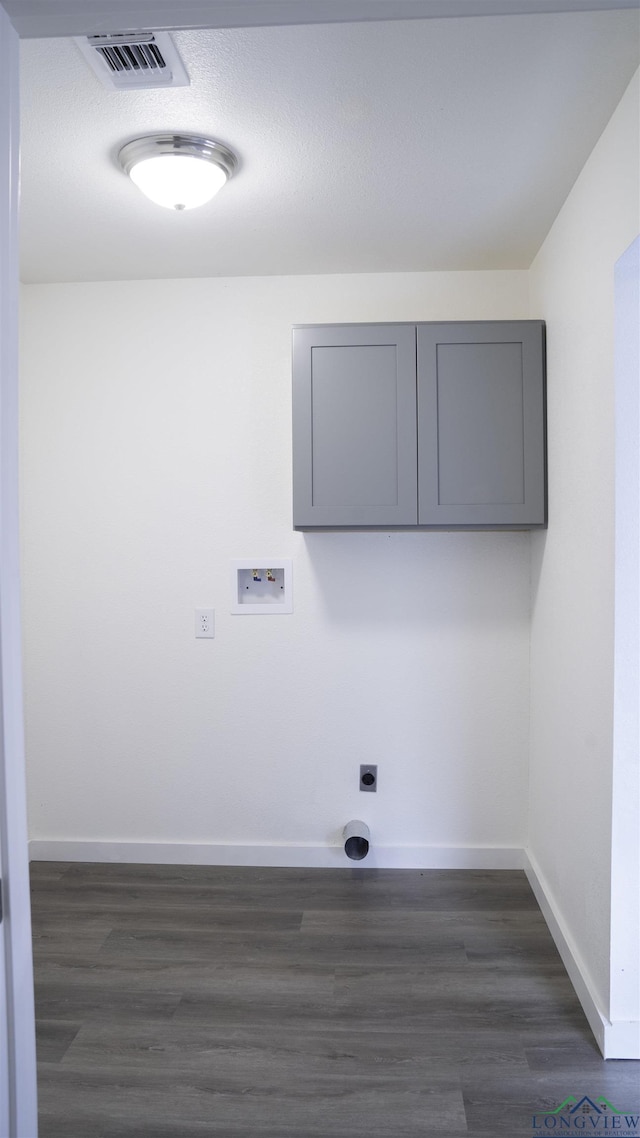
(572, 651)
(18, 1098)
(625, 838)
(156, 447)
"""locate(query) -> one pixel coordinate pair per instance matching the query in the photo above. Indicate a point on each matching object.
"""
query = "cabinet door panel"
(481, 424)
(354, 407)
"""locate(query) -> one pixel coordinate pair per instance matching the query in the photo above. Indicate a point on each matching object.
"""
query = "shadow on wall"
(425, 668)
(538, 547)
(421, 579)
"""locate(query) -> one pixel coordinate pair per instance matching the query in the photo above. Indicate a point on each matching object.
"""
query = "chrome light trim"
(194, 145)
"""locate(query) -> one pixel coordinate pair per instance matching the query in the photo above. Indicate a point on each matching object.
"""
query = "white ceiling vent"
(134, 60)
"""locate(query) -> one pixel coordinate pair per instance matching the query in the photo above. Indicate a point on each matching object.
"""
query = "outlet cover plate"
(261, 586)
(205, 624)
(369, 769)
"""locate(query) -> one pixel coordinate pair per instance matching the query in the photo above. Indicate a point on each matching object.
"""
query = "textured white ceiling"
(33, 18)
(423, 144)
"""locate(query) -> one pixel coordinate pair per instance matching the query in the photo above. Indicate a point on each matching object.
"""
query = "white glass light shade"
(177, 171)
(178, 181)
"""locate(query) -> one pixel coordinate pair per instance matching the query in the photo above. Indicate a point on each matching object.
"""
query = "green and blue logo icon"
(587, 1116)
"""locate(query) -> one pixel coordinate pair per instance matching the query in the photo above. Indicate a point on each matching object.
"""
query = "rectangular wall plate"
(262, 586)
(205, 624)
(369, 777)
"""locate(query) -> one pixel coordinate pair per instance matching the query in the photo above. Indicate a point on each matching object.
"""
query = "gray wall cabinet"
(435, 426)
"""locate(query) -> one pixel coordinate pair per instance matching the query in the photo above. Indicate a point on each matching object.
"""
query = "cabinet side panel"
(301, 423)
(535, 419)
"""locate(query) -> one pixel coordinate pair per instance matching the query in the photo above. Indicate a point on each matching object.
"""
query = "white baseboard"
(283, 854)
(618, 1040)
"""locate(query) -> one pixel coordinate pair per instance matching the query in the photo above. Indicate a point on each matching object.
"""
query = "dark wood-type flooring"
(175, 1002)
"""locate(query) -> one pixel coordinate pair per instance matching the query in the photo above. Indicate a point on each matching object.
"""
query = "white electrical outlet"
(205, 624)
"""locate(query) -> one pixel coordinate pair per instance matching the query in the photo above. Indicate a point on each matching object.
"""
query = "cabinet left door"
(354, 425)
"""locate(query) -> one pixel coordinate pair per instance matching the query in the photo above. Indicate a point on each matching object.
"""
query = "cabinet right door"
(481, 424)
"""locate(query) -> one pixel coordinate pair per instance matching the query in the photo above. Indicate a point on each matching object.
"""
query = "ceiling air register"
(134, 60)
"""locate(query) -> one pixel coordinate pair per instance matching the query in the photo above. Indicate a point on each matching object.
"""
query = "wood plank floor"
(175, 1002)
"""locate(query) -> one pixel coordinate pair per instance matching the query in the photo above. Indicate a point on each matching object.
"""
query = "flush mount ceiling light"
(178, 171)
